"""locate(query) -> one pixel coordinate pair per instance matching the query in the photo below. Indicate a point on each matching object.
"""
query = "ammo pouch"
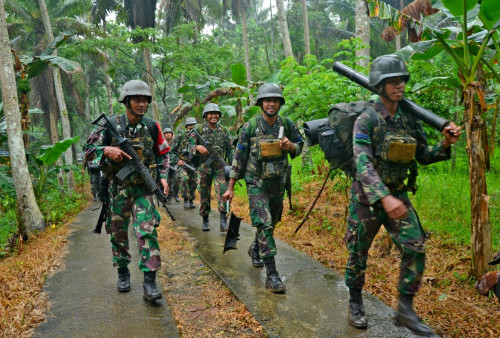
(398, 148)
(392, 174)
(269, 149)
(329, 142)
(274, 169)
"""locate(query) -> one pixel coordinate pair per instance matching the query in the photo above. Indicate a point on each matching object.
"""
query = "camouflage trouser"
(126, 205)
(188, 183)
(266, 205)
(94, 182)
(215, 174)
(173, 182)
(362, 226)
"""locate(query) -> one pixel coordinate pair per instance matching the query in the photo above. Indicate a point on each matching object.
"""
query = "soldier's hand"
(285, 144)
(394, 207)
(180, 162)
(228, 195)
(116, 154)
(451, 134)
(165, 186)
(201, 149)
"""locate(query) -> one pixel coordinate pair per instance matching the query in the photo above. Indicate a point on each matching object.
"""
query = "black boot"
(223, 222)
(123, 280)
(169, 199)
(356, 312)
(273, 280)
(186, 203)
(191, 204)
(177, 199)
(151, 293)
(407, 317)
(253, 251)
(205, 226)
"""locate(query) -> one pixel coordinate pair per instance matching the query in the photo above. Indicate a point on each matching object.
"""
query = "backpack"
(334, 134)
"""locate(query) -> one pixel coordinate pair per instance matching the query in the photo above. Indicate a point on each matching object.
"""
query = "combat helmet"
(167, 130)
(268, 90)
(386, 66)
(211, 107)
(189, 121)
(134, 88)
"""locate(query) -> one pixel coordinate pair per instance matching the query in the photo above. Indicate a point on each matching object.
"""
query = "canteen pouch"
(272, 169)
(269, 149)
(398, 148)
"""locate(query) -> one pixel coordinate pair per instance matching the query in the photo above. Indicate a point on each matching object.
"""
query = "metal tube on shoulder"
(423, 114)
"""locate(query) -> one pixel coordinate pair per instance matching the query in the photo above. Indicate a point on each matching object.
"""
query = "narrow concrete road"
(315, 304)
(83, 297)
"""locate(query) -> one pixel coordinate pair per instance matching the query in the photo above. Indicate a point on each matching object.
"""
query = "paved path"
(315, 304)
(83, 296)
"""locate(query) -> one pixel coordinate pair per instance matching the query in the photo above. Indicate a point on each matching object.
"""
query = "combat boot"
(123, 280)
(406, 316)
(253, 252)
(186, 203)
(177, 199)
(223, 222)
(169, 199)
(151, 293)
(356, 312)
(191, 204)
(273, 280)
(206, 225)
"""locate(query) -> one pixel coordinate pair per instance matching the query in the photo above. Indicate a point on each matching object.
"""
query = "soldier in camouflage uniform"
(384, 156)
(180, 156)
(211, 170)
(130, 201)
(261, 158)
(173, 172)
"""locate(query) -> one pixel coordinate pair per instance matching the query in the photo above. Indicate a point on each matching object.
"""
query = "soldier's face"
(139, 105)
(271, 105)
(213, 117)
(394, 88)
(168, 136)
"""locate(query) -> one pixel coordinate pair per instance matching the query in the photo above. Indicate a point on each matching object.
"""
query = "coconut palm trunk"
(285, 35)
(305, 20)
(363, 32)
(31, 217)
(66, 128)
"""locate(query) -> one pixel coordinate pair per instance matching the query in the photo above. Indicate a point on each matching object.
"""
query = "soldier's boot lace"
(273, 280)
(123, 280)
(356, 312)
(151, 293)
(186, 203)
(191, 204)
(223, 222)
(253, 252)
(406, 316)
(206, 225)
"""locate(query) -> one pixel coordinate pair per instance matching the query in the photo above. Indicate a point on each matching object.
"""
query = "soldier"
(130, 201)
(210, 169)
(261, 158)
(180, 156)
(173, 172)
(387, 143)
(95, 176)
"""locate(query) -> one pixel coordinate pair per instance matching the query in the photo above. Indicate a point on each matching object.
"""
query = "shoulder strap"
(152, 127)
(285, 123)
(253, 125)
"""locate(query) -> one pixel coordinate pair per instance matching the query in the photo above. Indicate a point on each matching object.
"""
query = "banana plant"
(468, 31)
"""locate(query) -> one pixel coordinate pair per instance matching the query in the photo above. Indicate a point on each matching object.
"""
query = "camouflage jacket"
(246, 163)
(219, 138)
(153, 152)
(367, 184)
(180, 147)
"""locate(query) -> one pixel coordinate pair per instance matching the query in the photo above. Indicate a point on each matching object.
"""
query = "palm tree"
(363, 32)
(285, 35)
(31, 217)
(239, 8)
(307, 45)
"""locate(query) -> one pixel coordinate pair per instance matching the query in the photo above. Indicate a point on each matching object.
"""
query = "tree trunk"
(151, 83)
(285, 36)
(66, 129)
(363, 32)
(305, 19)
(182, 83)
(245, 44)
(480, 219)
(31, 217)
(271, 27)
(106, 72)
(86, 79)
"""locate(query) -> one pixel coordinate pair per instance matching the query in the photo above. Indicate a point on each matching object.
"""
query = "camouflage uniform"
(220, 139)
(130, 201)
(95, 176)
(187, 178)
(265, 194)
(375, 180)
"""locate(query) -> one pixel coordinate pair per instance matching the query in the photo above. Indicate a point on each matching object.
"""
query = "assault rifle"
(104, 198)
(133, 165)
